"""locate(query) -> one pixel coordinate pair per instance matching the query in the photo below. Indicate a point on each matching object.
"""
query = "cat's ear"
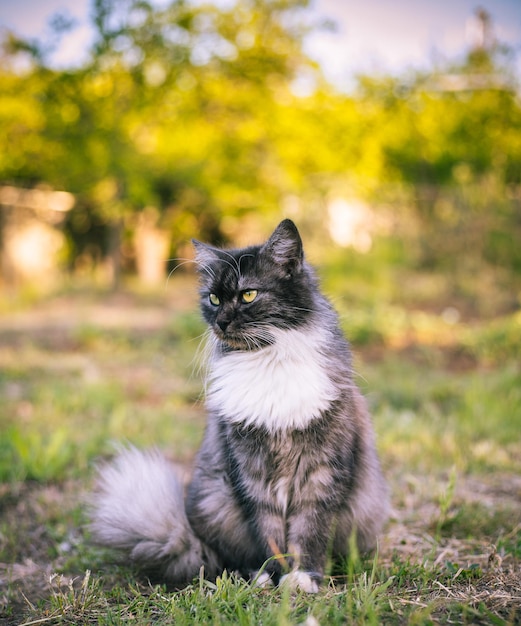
(204, 254)
(285, 248)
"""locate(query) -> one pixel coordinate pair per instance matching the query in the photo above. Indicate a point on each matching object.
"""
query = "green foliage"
(477, 520)
(76, 604)
(42, 457)
(164, 89)
(409, 594)
(60, 411)
(446, 500)
(187, 112)
(498, 342)
(468, 419)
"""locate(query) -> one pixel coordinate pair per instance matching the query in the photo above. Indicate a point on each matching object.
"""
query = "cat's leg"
(212, 507)
(270, 529)
(309, 532)
(215, 516)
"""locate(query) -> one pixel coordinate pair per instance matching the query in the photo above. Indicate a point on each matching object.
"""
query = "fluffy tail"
(138, 507)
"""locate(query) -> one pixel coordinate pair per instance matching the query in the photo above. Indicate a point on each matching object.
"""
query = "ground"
(77, 372)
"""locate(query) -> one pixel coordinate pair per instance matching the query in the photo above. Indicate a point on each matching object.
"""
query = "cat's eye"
(249, 295)
(214, 299)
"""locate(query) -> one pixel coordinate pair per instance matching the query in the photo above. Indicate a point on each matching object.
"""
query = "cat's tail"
(138, 507)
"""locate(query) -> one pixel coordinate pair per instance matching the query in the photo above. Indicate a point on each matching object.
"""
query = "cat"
(287, 472)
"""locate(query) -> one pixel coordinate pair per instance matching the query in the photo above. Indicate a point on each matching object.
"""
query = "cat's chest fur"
(282, 386)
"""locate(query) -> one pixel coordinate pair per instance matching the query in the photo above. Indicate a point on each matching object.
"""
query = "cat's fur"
(288, 462)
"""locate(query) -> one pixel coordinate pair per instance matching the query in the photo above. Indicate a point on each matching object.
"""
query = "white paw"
(299, 580)
(262, 580)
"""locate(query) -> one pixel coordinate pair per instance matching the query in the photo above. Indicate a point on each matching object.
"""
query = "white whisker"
(202, 357)
(300, 308)
(236, 271)
(243, 256)
(203, 267)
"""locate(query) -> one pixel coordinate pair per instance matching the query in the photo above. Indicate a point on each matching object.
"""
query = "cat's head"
(247, 293)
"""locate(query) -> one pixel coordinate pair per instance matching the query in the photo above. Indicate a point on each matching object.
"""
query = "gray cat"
(287, 471)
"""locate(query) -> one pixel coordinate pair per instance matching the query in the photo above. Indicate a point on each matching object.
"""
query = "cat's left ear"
(285, 248)
(204, 254)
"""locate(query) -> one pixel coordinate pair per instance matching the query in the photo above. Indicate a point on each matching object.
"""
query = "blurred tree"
(193, 116)
(170, 112)
(22, 119)
(452, 138)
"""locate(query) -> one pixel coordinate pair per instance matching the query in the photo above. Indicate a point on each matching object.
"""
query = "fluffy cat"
(287, 470)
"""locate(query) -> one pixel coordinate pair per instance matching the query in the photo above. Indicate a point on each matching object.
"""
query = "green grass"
(448, 432)
(433, 418)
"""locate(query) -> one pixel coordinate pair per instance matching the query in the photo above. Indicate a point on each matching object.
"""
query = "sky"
(371, 35)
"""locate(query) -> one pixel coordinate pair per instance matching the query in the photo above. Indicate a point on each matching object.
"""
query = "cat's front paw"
(298, 580)
(261, 579)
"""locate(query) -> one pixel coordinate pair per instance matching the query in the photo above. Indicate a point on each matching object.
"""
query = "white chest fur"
(283, 386)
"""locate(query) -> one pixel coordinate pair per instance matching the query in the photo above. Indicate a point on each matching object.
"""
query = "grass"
(78, 373)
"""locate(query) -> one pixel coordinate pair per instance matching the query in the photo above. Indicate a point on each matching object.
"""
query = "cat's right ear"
(284, 247)
(204, 254)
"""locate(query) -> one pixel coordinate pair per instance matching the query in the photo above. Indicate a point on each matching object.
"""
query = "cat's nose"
(223, 324)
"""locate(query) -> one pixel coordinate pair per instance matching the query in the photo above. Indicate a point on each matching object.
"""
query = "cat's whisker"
(243, 256)
(183, 262)
(250, 342)
(204, 267)
(301, 308)
(203, 356)
(237, 268)
(207, 269)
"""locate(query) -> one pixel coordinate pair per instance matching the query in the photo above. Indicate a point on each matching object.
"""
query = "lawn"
(80, 372)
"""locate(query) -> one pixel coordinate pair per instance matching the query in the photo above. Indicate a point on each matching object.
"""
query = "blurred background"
(390, 132)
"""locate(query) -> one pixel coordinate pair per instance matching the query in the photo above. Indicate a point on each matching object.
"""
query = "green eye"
(214, 299)
(249, 295)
